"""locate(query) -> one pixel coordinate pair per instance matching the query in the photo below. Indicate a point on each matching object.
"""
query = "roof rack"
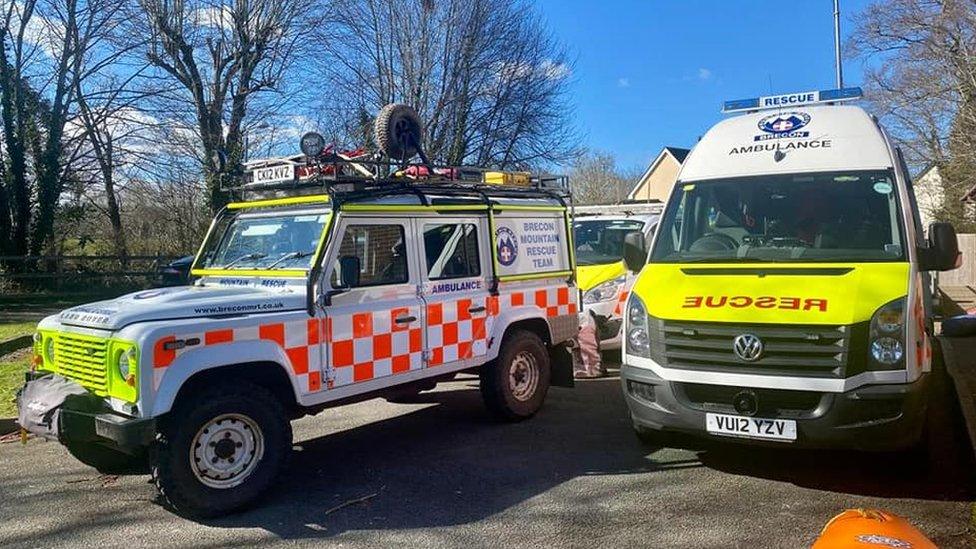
(352, 178)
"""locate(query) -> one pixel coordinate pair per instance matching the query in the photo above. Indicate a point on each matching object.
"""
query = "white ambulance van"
(602, 276)
(784, 298)
(333, 281)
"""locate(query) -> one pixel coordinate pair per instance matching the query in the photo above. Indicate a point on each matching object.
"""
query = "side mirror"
(635, 251)
(349, 271)
(942, 253)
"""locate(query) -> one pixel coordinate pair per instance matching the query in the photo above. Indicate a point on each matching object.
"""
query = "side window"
(451, 250)
(913, 201)
(371, 255)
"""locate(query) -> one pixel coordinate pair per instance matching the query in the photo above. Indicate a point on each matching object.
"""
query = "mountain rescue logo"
(506, 246)
(780, 125)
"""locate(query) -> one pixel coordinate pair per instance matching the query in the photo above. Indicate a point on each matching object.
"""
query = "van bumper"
(872, 417)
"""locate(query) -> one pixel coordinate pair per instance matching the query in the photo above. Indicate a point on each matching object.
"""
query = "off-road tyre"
(507, 394)
(108, 461)
(180, 487)
(398, 131)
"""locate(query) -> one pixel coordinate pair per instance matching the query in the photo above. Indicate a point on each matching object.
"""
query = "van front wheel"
(514, 386)
(221, 449)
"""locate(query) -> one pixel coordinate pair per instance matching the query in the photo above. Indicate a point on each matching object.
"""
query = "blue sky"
(651, 73)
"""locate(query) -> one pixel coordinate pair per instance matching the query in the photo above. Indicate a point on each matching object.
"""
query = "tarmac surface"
(441, 473)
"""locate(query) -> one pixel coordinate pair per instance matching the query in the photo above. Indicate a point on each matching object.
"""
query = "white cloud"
(509, 71)
(214, 17)
(554, 71)
(704, 74)
(623, 82)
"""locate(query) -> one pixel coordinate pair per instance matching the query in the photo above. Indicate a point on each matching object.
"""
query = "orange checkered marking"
(456, 330)
(299, 339)
(554, 300)
(372, 344)
(621, 299)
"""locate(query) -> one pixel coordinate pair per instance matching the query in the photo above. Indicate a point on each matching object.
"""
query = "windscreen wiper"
(251, 256)
(287, 256)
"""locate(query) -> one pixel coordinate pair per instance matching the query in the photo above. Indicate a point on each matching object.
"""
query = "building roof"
(678, 154)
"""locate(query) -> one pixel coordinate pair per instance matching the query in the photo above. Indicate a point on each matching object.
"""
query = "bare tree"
(220, 57)
(485, 75)
(923, 83)
(45, 48)
(596, 179)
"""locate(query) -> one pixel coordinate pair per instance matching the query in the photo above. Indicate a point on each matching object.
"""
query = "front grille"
(777, 402)
(792, 350)
(83, 359)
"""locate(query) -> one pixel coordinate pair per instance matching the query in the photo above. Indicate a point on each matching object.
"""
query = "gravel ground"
(440, 473)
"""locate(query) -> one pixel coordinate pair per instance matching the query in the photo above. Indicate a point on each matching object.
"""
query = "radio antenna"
(837, 61)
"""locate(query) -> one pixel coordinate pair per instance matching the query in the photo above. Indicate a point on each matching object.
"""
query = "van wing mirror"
(635, 251)
(942, 253)
(349, 271)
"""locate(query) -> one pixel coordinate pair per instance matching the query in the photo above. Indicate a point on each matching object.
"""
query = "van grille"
(83, 359)
(777, 402)
(793, 350)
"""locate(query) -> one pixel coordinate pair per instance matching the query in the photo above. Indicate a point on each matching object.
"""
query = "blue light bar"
(787, 100)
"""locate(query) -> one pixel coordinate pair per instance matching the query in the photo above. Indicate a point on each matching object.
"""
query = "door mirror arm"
(325, 299)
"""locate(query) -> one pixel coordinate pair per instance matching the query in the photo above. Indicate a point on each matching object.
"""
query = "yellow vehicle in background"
(598, 233)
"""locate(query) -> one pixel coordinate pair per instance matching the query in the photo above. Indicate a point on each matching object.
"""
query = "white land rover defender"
(346, 279)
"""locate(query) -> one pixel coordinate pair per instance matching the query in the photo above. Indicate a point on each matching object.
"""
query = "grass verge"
(12, 368)
(14, 329)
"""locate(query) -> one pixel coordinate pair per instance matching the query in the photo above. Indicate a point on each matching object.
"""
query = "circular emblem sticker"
(882, 187)
(506, 246)
(784, 122)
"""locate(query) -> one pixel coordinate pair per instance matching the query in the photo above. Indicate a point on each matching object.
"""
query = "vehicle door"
(455, 264)
(373, 315)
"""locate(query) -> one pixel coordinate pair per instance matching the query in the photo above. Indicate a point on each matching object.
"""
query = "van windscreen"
(820, 217)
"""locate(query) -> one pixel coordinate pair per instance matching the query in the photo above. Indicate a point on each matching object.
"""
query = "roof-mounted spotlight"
(312, 144)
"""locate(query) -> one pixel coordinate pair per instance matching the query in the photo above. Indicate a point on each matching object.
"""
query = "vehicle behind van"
(785, 295)
(598, 235)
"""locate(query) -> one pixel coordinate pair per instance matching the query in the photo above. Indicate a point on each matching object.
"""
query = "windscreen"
(850, 216)
(265, 241)
(601, 241)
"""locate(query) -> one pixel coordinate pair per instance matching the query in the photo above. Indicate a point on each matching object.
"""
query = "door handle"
(476, 310)
(405, 319)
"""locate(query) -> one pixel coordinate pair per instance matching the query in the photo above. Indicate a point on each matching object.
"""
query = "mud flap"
(40, 401)
(561, 366)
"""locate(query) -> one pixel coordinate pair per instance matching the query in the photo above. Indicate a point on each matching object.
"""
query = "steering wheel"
(714, 242)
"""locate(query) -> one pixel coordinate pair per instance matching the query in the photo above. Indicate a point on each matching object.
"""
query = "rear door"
(454, 269)
(374, 327)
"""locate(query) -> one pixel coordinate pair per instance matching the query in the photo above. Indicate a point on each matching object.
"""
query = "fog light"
(643, 391)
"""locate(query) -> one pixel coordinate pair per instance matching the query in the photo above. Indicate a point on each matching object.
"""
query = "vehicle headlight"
(127, 360)
(49, 350)
(887, 350)
(638, 339)
(604, 292)
(886, 341)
